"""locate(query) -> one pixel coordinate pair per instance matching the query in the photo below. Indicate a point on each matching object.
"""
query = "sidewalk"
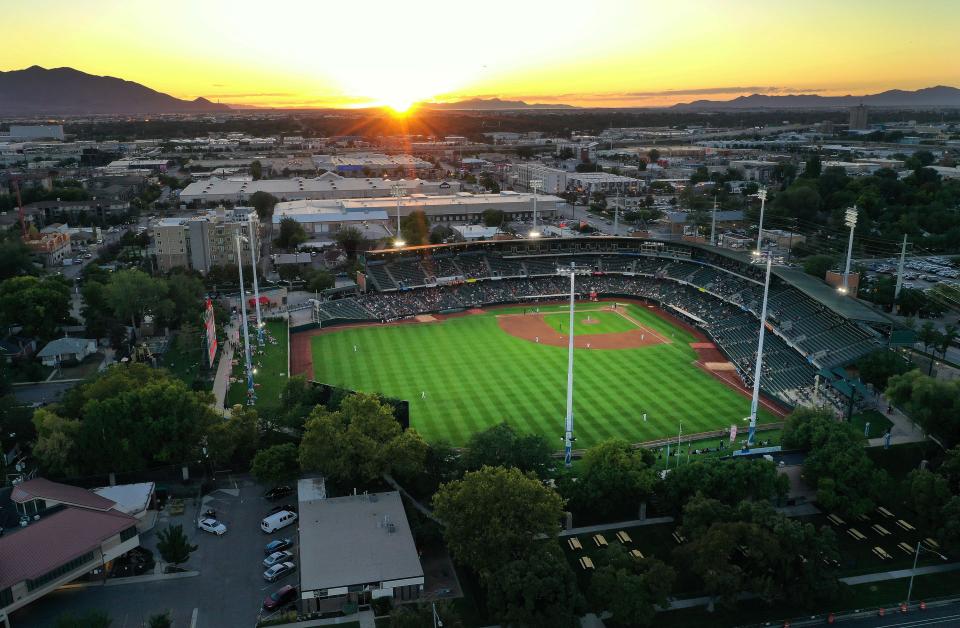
(619, 525)
(221, 381)
(900, 573)
(903, 430)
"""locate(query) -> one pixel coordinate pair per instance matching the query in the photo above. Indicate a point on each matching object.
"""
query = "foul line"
(646, 329)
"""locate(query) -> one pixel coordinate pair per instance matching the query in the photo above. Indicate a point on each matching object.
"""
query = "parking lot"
(227, 593)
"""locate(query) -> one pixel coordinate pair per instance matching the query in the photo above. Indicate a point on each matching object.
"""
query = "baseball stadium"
(665, 338)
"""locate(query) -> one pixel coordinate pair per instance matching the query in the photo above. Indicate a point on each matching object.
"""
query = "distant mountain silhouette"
(939, 96)
(491, 104)
(67, 91)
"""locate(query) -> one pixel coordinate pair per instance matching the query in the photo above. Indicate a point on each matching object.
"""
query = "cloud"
(667, 94)
(253, 94)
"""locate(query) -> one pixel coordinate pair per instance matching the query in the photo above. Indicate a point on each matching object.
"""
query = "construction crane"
(23, 222)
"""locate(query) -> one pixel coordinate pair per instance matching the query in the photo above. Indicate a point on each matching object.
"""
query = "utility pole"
(616, 216)
(256, 287)
(762, 195)
(755, 400)
(903, 257)
(251, 394)
(850, 220)
(713, 223)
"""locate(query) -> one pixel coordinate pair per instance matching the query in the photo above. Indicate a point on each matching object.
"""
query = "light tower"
(850, 219)
(755, 400)
(762, 195)
(399, 191)
(251, 393)
(256, 287)
(568, 438)
(535, 185)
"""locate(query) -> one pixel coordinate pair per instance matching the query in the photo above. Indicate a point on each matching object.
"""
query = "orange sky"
(305, 53)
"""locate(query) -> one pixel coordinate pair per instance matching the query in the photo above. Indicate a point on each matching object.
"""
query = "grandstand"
(715, 290)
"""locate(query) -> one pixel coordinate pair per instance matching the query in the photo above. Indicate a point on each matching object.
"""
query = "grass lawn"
(475, 375)
(271, 367)
(879, 424)
(184, 364)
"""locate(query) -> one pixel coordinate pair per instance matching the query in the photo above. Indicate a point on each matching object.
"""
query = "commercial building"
(65, 532)
(98, 211)
(21, 132)
(463, 208)
(367, 164)
(50, 248)
(858, 117)
(355, 549)
(201, 242)
(754, 169)
(326, 186)
(556, 180)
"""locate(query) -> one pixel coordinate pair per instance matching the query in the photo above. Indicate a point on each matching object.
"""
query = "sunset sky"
(312, 53)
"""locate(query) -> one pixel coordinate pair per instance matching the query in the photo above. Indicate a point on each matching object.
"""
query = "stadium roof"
(824, 293)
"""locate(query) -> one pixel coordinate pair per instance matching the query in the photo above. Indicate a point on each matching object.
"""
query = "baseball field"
(464, 373)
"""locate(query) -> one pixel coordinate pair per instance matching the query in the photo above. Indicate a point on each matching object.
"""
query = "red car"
(280, 598)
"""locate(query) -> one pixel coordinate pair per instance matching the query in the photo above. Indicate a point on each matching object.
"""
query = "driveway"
(227, 593)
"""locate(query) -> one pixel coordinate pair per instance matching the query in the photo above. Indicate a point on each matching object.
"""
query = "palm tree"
(946, 339)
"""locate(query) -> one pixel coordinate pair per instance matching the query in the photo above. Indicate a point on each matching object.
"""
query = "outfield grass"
(271, 366)
(475, 375)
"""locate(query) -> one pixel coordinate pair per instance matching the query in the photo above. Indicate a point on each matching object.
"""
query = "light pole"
(850, 219)
(399, 192)
(916, 556)
(251, 394)
(535, 184)
(762, 195)
(256, 287)
(755, 400)
(568, 437)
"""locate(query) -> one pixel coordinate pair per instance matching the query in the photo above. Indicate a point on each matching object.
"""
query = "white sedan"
(277, 557)
(212, 526)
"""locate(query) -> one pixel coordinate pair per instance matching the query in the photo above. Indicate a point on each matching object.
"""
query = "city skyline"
(300, 55)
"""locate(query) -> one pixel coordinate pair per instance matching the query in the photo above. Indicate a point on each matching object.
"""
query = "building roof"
(55, 540)
(128, 498)
(846, 306)
(41, 488)
(347, 540)
(324, 184)
(61, 346)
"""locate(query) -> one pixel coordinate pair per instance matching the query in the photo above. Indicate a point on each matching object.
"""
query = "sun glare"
(399, 106)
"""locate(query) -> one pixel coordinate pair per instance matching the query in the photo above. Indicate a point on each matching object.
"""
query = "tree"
(538, 590)
(818, 265)
(276, 465)
(161, 620)
(360, 441)
(630, 588)
(932, 403)
(39, 305)
(928, 335)
(878, 367)
(654, 155)
(291, 235)
(350, 240)
(493, 217)
(132, 294)
(927, 493)
(15, 256)
(946, 339)
(420, 615)
(728, 481)
(90, 619)
(488, 182)
(56, 445)
(614, 478)
(264, 203)
(491, 516)
(256, 170)
(502, 446)
(814, 167)
(415, 228)
(173, 545)
(317, 280)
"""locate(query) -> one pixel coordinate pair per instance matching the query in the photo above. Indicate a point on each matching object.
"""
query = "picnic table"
(623, 537)
(678, 537)
(600, 540)
(882, 553)
(636, 554)
(856, 534)
(835, 520)
(586, 563)
(574, 544)
(904, 525)
(886, 513)
(905, 548)
(879, 529)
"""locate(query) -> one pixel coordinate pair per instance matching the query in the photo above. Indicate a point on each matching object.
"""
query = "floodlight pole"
(903, 258)
(256, 287)
(535, 185)
(762, 195)
(398, 191)
(251, 395)
(851, 221)
(616, 216)
(713, 223)
(568, 424)
(755, 400)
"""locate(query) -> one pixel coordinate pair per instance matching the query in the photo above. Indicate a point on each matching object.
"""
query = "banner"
(733, 433)
(210, 327)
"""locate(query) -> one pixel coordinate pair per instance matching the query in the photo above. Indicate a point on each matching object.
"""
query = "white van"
(277, 520)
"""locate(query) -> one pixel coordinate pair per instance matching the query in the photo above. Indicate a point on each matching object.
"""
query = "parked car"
(212, 526)
(278, 492)
(289, 507)
(277, 545)
(278, 571)
(280, 598)
(277, 557)
(277, 520)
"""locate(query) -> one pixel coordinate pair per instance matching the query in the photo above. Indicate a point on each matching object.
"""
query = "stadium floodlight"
(762, 195)
(399, 191)
(535, 184)
(251, 393)
(568, 437)
(850, 219)
(256, 287)
(758, 367)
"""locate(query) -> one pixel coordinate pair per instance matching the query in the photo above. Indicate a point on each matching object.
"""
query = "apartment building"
(204, 241)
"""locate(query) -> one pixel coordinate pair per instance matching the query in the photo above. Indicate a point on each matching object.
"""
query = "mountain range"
(66, 91)
(491, 104)
(939, 96)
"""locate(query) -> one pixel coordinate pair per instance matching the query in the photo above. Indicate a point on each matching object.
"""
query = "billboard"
(210, 327)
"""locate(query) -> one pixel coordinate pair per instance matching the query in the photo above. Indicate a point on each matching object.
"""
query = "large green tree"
(264, 203)
(492, 516)
(174, 546)
(415, 228)
(360, 441)
(39, 305)
(291, 234)
(613, 479)
(15, 257)
(276, 464)
(502, 446)
(132, 294)
(933, 403)
(539, 590)
(728, 481)
(630, 588)
(350, 240)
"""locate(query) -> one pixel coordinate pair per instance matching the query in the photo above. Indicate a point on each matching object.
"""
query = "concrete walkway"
(364, 617)
(903, 431)
(221, 381)
(900, 573)
(652, 521)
